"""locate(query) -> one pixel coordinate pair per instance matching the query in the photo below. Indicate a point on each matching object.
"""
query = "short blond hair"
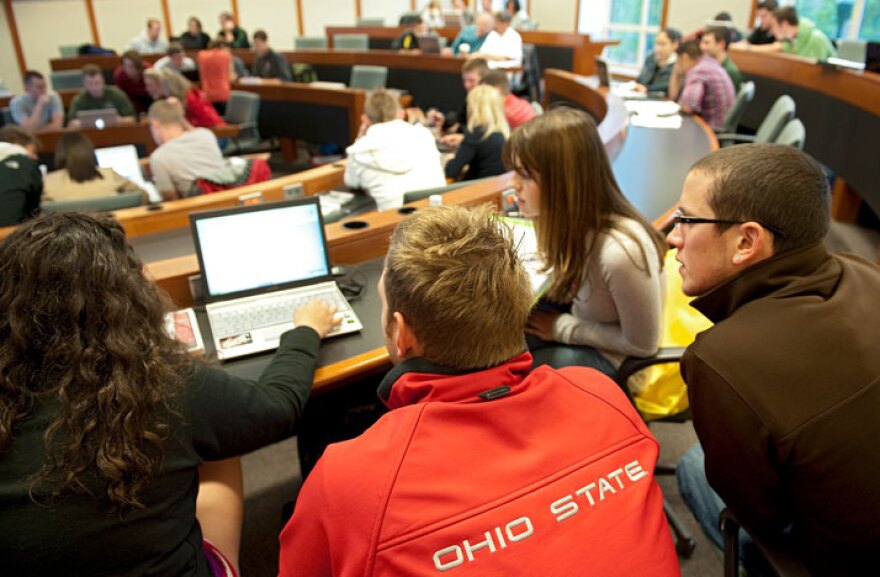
(485, 109)
(167, 113)
(454, 275)
(381, 106)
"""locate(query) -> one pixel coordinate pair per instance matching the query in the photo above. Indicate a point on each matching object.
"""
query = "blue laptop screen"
(264, 248)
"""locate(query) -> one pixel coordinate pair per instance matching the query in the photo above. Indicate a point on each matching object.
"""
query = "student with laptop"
(658, 66)
(482, 464)
(77, 175)
(96, 95)
(141, 474)
(184, 153)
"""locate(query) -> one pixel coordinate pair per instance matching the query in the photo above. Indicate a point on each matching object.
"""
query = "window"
(635, 23)
(844, 18)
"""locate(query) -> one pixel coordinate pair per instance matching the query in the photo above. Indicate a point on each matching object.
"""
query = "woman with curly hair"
(107, 424)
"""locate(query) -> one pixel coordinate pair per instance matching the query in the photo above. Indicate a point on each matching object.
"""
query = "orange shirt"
(214, 66)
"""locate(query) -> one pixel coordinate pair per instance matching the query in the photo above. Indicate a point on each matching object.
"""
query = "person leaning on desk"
(118, 450)
(96, 95)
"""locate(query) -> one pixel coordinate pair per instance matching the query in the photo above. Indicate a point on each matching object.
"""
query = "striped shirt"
(708, 91)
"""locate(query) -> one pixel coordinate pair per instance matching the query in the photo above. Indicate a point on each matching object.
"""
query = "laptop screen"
(253, 249)
(122, 159)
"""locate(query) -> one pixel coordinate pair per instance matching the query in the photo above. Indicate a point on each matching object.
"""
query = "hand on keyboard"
(318, 315)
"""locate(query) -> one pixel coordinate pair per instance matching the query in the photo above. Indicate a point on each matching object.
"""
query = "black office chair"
(778, 559)
(530, 83)
(684, 541)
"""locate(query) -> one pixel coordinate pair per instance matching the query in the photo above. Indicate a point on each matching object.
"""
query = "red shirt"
(133, 87)
(200, 112)
(214, 68)
(517, 111)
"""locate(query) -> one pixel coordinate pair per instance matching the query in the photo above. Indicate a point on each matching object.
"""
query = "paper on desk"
(672, 122)
(526, 242)
(652, 107)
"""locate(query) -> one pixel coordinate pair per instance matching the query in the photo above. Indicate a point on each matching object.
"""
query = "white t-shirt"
(507, 45)
(179, 162)
(393, 158)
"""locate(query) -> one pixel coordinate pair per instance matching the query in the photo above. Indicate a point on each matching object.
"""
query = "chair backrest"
(69, 50)
(415, 195)
(532, 72)
(67, 79)
(7, 116)
(100, 204)
(367, 22)
(368, 77)
(351, 42)
(242, 107)
(794, 134)
(314, 42)
(743, 98)
(780, 113)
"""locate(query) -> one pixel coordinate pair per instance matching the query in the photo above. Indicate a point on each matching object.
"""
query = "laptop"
(259, 263)
(99, 119)
(429, 44)
(124, 161)
(624, 90)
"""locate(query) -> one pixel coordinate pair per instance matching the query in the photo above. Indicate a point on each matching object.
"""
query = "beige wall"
(276, 17)
(390, 10)
(9, 71)
(45, 25)
(318, 14)
(119, 22)
(555, 16)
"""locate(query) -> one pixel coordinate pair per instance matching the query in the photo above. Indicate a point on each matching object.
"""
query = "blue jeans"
(558, 355)
(706, 505)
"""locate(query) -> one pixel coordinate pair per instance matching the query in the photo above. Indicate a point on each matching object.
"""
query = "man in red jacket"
(483, 466)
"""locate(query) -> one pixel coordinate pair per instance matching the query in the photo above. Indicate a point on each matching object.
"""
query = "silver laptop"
(429, 44)
(124, 160)
(259, 263)
(99, 119)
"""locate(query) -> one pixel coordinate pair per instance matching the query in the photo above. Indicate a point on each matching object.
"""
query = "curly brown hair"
(82, 337)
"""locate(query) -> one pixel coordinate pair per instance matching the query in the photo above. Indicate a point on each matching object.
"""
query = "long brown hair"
(580, 199)
(83, 334)
(75, 154)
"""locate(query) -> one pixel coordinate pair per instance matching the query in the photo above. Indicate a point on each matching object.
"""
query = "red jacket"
(517, 111)
(552, 476)
(200, 112)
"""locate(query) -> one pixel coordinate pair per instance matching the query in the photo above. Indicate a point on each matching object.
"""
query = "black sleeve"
(231, 416)
(463, 156)
(284, 72)
(34, 193)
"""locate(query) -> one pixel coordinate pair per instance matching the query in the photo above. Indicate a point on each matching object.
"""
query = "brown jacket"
(785, 393)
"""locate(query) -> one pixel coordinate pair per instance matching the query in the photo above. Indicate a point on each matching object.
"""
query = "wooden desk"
(292, 111)
(650, 164)
(172, 215)
(839, 108)
(572, 52)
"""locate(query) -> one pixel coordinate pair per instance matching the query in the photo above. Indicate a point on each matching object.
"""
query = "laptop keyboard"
(269, 312)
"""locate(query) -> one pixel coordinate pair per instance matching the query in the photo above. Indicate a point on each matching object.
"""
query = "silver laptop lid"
(263, 248)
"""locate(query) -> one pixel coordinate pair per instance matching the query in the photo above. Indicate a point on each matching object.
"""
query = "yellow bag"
(659, 391)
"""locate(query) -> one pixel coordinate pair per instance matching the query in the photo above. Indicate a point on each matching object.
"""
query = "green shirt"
(810, 42)
(733, 72)
(112, 98)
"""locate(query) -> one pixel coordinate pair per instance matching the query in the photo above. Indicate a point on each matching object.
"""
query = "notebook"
(99, 119)
(259, 263)
(124, 161)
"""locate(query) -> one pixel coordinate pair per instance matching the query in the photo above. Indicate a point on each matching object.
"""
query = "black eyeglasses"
(678, 218)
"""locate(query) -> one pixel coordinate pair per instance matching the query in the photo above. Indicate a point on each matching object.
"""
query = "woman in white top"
(604, 257)
(77, 175)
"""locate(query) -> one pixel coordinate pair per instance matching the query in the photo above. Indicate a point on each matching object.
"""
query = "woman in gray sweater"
(604, 257)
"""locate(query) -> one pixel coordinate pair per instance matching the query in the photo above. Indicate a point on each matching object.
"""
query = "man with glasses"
(785, 387)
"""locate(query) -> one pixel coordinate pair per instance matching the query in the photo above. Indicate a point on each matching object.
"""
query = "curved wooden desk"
(839, 108)
(567, 51)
